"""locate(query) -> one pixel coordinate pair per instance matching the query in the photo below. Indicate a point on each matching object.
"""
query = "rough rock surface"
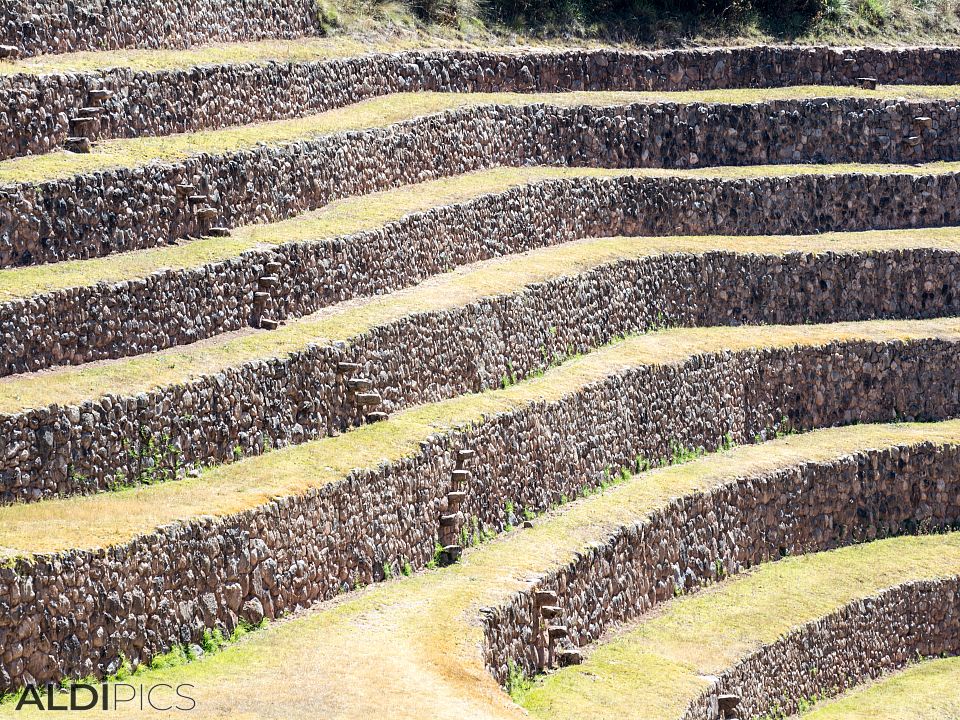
(129, 208)
(177, 307)
(58, 26)
(35, 110)
(806, 508)
(854, 645)
(67, 449)
(75, 612)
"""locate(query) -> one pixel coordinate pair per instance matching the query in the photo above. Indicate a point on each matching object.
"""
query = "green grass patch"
(928, 690)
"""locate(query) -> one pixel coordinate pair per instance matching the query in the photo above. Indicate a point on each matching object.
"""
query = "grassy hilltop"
(656, 22)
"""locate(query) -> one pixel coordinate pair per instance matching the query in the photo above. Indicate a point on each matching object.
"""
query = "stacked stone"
(29, 27)
(702, 538)
(75, 612)
(261, 288)
(100, 442)
(130, 208)
(72, 613)
(38, 108)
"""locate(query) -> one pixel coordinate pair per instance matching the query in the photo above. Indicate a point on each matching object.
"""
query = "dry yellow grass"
(409, 649)
(72, 384)
(308, 49)
(365, 212)
(929, 690)
(379, 112)
(110, 518)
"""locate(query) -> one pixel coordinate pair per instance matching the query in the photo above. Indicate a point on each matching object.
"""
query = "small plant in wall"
(518, 684)
(151, 459)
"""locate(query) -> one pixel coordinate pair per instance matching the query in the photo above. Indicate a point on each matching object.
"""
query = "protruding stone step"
(557, 632)
(198, 199)
(185, 189)
(376, 417)
(90, 112)
(551, 611)
(545, 597)
(206, 213)
(100, 94)
(461, 476)
(261, 297)
(218, 232)
(268, 281)
(727, 703)
(360, 384)
(78, 144)
(9, 52)
(451, 519)
(924, 121)
(465, 455)
(451, 553)
(79, 124)
(457, 498)
(913, 140)
(269, 323)
(368, 399)
(867, 83)
(345, 368)
(272, 267)
(569, 656)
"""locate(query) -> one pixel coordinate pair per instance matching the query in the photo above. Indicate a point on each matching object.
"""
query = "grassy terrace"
(927, 691)
(655, 668)
(380, 112)
(103, 519)
(500, 276)
(367, 212)
(263, 51)
(417, 639)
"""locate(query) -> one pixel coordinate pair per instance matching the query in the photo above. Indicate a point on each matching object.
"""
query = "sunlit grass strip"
(367, 212)
(929, 690)
(73, 384)
(657, 668)
(98, 520)
(419, 639)
(383, 111)
(300, 50)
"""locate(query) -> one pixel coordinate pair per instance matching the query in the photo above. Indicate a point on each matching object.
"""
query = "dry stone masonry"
(37, 109)
(129, 208)
(114, 439)
(854, 645)
(263, 287)
(702, 538)
(74, 612)
(32, 27)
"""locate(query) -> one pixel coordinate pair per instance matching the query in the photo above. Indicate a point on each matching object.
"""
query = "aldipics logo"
(161, 697)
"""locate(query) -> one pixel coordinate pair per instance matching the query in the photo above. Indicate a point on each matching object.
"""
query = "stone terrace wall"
(75, 612)
(130, 208)
(177, 307)
(807, 508)
(39, 108)
(852, 646)
(430, 356)
(59, 26)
